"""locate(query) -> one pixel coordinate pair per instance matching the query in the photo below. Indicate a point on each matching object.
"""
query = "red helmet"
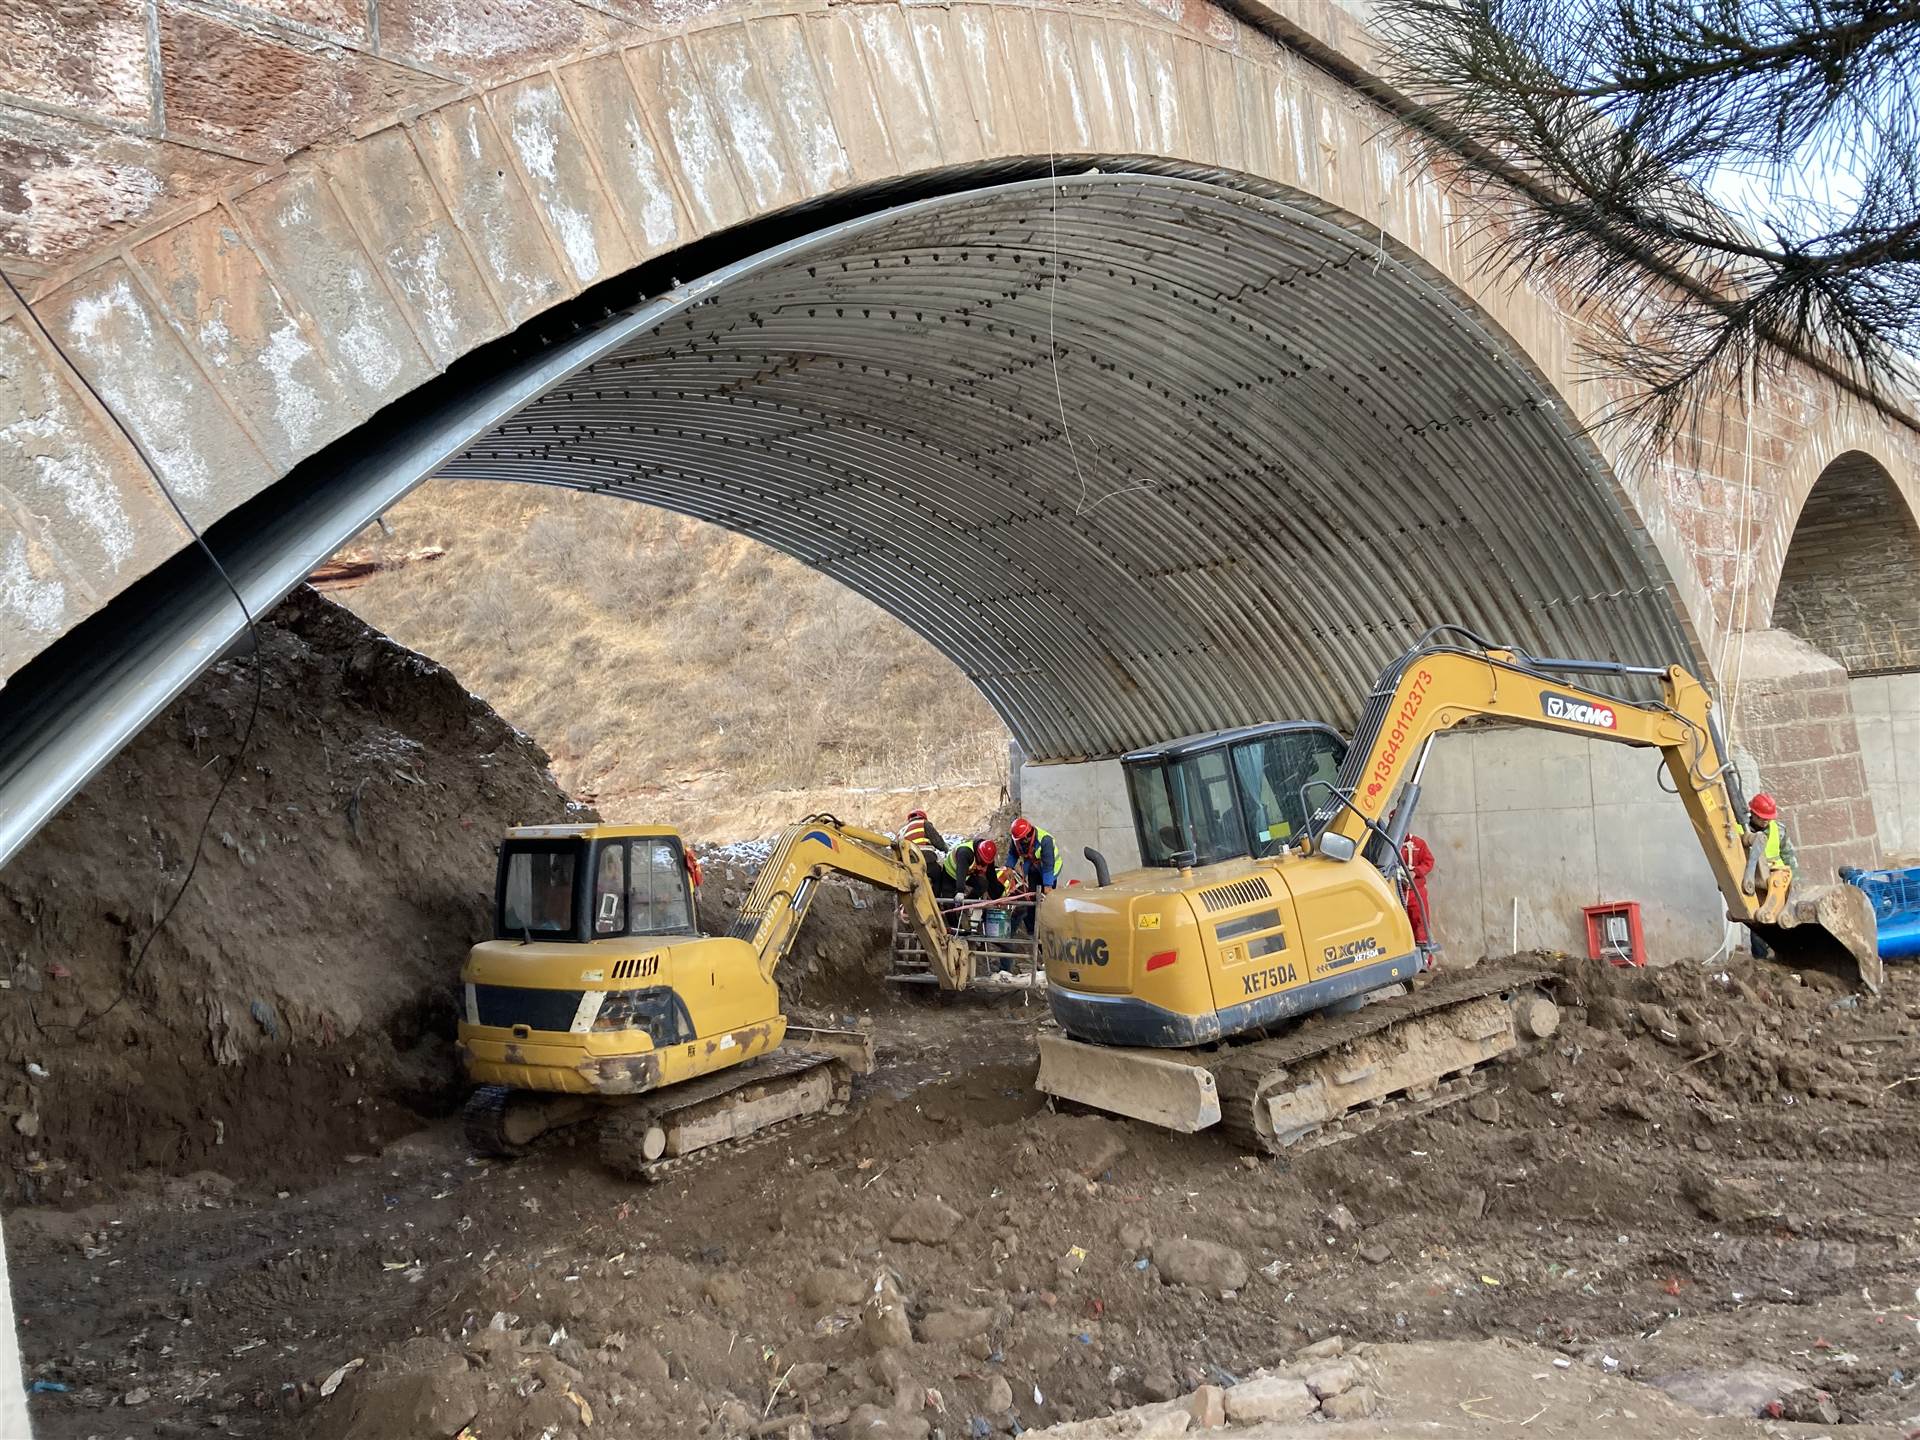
(916, 814)
(1761, 807)
(1023, 829)
(985, 853)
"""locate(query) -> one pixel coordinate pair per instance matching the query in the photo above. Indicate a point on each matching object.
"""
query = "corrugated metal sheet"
(1293, 454)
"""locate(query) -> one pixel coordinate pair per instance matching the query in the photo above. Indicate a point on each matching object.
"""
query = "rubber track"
(485, 1119)
(623, 1130)
(1240, 1072)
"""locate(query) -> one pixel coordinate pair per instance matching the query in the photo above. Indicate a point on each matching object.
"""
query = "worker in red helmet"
(982, 882)
(1763, 820)
(920, 833)
(1037, 856)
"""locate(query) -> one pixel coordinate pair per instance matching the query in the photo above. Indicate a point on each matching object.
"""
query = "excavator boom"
(821, 845)
(1437, 687)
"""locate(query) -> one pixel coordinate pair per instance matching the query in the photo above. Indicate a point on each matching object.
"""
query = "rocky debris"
(1097, 1144)
(1201, 1264)
(999, 1395)
(927, 1221)
(1271, 1397)
(1332, 1379)
(1807, 1406)
(872, 1422)
(883, 1319)
(1728, 1202)
(826, 1288)
(1354, 1404)
(1320, 1381)
(1748, 1390)
(1376, 1252)
(949, 1327)
(1484, 1108)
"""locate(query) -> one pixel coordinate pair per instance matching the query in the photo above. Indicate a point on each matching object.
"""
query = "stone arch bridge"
(1122, 350)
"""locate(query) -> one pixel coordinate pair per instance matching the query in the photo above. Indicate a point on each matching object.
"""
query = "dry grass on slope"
(674, 670)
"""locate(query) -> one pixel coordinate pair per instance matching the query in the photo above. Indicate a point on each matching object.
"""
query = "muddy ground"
(238, 1205)
(1704, 1170)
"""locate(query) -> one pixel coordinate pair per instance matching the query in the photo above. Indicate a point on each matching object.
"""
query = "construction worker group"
(970, 873)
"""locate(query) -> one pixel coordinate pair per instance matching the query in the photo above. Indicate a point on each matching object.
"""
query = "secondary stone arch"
(1847, 580)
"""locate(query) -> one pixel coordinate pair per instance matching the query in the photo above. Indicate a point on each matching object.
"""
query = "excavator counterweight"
(1261, 973)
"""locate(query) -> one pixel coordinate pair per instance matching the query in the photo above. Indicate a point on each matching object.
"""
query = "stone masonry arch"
(249, 286)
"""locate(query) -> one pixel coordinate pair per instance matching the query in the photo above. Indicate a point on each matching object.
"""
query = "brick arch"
(1849, 582)
(264, 318)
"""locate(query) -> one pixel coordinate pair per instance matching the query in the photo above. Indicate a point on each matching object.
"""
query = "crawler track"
(1317, 1054)
(625, 1128)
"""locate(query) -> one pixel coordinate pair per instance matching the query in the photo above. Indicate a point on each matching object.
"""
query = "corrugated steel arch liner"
(1298, 452)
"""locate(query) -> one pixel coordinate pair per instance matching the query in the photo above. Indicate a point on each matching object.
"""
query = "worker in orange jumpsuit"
(1417, 856)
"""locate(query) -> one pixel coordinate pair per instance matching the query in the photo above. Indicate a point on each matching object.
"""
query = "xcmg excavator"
(1269, 897)
(598, 996)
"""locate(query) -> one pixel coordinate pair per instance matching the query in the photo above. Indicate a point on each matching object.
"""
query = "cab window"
(610, 889)
(1207, 802)
(657, 894)
(1270, 772)
(1153, 814)
(536, 891)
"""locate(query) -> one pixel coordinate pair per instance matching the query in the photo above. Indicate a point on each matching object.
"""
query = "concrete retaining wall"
(1886, 712)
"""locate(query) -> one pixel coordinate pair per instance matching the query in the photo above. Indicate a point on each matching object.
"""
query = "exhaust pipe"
(1102, 876)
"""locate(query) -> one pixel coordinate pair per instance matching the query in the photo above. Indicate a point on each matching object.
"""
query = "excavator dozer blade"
(1832, 930)
(1162, 1087)
(853, 1048)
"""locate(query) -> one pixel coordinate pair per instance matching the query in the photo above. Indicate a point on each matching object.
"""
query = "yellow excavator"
(1269, 896)
(598, 996)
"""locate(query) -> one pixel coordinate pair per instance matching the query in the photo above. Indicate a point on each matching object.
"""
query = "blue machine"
(1895, 895)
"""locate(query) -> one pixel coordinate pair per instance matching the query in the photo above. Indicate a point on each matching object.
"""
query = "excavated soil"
(298, 1007)
(234, 1211)
(1704, 1170)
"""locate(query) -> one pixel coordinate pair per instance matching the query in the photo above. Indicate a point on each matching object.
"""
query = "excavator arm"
(821, 845)
(1437, 686)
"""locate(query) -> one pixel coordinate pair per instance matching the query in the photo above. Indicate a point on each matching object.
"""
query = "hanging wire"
(253, 633)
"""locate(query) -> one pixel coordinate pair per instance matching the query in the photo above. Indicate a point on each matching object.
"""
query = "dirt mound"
(300, 1003)
(839, 959)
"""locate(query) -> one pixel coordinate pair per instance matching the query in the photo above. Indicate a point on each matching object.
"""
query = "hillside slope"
(675, 671)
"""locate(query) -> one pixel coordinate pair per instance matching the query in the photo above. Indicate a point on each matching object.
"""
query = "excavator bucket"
(1831, 930)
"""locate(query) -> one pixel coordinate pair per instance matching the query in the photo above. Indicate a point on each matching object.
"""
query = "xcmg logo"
(1577, 712)
(1335, 957)
(1077, 950)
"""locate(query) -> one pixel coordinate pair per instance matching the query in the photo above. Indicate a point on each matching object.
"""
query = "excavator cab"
(1229, 794)
(568, 884)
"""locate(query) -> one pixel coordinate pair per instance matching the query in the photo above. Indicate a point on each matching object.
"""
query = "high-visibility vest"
(1010, 881)
(950, 862)
(916, 833)
(1039, 840)
(1773, 843)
